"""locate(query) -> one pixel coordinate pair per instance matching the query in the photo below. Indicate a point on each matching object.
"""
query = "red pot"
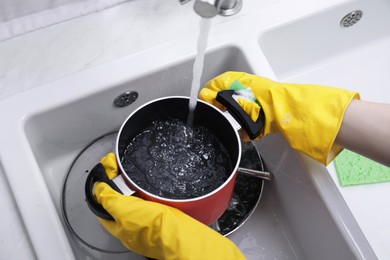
(207, 208)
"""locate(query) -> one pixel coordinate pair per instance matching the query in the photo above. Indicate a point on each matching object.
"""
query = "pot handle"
(254, 129)
(255, 173)
(98, 174)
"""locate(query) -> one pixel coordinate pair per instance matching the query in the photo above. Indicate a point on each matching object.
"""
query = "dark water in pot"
(172, 160)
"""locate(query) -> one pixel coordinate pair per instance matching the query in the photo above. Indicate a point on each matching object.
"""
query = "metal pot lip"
(138, 188)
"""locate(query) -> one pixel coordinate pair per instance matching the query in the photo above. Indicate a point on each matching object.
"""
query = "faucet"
(210, 8)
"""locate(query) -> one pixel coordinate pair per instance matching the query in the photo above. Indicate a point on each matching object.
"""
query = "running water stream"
(204, 28)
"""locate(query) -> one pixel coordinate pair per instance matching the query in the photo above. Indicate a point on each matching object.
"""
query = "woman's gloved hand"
(308, 116)
(158, 231)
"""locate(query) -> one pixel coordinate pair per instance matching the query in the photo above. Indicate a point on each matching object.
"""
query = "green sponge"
(243, 92)
(355, 169)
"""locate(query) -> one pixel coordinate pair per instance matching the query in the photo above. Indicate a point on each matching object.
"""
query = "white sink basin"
(301, 214)
(317, 40)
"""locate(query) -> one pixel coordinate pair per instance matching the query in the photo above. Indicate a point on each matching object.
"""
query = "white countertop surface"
(48, 54)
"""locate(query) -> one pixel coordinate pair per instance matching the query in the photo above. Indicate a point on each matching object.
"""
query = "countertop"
(51, 53)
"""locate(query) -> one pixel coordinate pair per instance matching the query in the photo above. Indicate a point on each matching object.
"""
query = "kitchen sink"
(301, 214)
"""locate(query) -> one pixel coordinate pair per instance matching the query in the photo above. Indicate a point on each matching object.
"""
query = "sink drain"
(125, 99)
(351, 18)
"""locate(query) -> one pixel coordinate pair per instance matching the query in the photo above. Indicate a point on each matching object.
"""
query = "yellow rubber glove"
(308, 116)
(158, 231)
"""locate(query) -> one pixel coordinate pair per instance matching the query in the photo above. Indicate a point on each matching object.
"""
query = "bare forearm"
(366, 130)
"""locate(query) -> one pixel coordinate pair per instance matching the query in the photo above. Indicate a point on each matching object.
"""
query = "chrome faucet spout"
(210, 8)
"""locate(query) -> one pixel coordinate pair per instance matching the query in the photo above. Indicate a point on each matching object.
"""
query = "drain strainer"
(125, 99)
(351, 18)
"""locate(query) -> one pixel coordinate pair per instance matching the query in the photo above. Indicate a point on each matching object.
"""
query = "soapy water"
(176, 161)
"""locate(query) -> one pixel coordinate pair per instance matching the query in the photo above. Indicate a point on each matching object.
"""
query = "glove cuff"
(312, 128)
(308, 116)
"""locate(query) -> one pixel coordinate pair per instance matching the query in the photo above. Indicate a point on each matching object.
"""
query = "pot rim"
(138, 188)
